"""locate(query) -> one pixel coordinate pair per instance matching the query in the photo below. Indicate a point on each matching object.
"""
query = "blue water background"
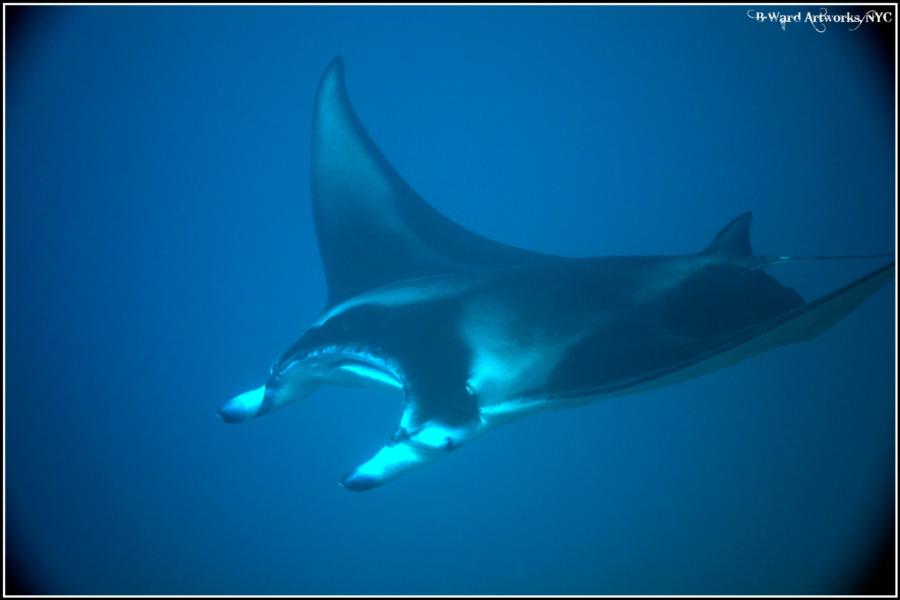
(160, 254)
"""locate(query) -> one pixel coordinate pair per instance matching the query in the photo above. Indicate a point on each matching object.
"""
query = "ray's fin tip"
(331, 84)
(335, 65)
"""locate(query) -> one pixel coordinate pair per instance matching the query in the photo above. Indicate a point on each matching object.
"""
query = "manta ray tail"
(775, 260)
(372, 227)
(732, 244)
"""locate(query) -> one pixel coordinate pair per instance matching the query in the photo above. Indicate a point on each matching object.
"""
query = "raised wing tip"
(332, 81)
(335, 70)
(331, 92)
(336, 65)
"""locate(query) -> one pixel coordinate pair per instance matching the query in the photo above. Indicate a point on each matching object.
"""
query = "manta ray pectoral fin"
(820, 315)
(361, 203)
(408, 451)
(801, 324)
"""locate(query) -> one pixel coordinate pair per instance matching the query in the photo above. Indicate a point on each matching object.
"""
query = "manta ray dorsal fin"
(372, 227)
(733, 241)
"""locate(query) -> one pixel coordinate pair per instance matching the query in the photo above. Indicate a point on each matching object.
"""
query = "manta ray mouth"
(342, 366)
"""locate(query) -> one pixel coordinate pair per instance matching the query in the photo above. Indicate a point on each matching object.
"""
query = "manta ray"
(474, 333)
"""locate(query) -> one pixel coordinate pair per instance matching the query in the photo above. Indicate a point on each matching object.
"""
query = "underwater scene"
(528, 300)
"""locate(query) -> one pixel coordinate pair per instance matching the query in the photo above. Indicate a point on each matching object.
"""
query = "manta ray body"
(475, 333)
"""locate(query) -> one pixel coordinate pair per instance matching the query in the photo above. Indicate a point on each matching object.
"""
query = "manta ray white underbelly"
(474, 333)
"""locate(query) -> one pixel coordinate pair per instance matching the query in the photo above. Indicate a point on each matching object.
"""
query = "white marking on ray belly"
(509, 356)
(492, 414)
(420, 291)
(373, 375)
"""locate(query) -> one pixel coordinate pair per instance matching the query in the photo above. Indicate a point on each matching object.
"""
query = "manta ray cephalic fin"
(404, 453)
